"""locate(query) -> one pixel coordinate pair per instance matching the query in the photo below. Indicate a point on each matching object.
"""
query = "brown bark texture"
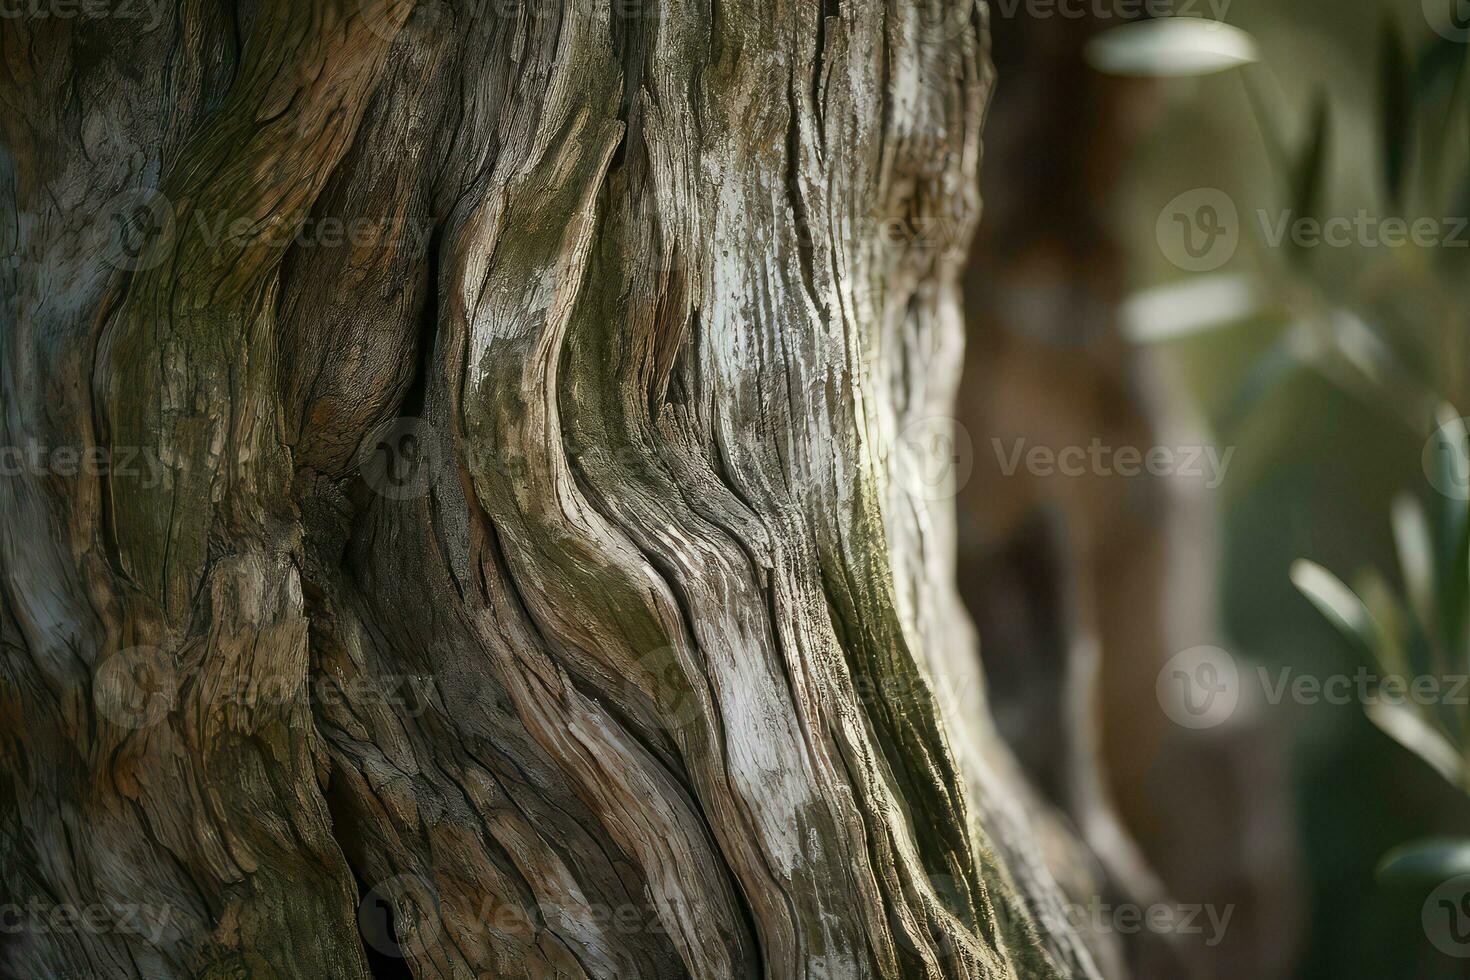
(467, 508)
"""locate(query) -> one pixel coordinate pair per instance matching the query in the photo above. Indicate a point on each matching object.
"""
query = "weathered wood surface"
(527, 585)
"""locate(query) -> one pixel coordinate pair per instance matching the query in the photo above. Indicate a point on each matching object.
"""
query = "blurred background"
(1232, 233)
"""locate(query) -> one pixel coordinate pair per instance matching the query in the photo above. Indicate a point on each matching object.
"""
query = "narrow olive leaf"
(1338, 603)
(1396, 107)
(1388, 612)
(1451, 461)
(1306, 191)
(1170, 47)
(1267, 373)
(1416, 557)
(1426, 862)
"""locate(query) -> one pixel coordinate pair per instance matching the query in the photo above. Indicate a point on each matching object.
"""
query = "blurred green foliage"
(1339, 370)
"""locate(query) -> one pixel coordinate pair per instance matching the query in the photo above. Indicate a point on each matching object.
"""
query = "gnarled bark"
(528, 586)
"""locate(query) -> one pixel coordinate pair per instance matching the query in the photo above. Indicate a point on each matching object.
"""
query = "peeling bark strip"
(526, 587)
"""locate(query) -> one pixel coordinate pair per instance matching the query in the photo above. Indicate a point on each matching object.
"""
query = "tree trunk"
(459, 515)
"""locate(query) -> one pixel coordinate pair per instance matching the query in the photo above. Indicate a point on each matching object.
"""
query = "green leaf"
(1170, 47)
(1306, 191)
(1451, 458)
(1338, 603)
(1426, 862)
(1396, 121)
(1267, 373)
(1416, 557)
(1385, 609)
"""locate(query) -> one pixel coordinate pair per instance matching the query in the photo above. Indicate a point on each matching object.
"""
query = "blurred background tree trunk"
(1082, 587)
